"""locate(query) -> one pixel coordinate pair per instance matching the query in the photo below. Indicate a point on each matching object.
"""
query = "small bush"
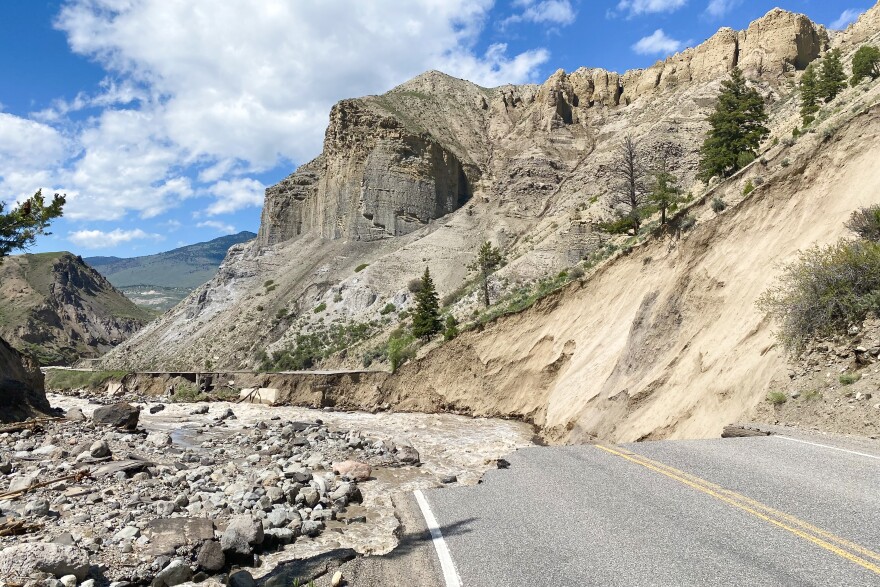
(849, 378)
(576, 272)
(260, 308)
(621, 225)
(361, 267)
(811, 395)
(796, 132)
(777, 398)
(320, 308)
(281, 314)
(450, 328)
(775, 141)
(749, 188)
(744, 158)
(687, 223)
(268, 282)
(786, 162)
(824, 291)
(337, 298)
(388, 308)
(718, 205)
(401, 348)
(789, 142)
(414, 285)
(865, 223)
(759, 181)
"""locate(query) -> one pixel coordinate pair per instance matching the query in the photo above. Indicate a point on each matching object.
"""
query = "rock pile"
(105, 502)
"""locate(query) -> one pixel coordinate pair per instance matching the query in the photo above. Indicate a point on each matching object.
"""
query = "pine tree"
(737, 129)
(20, 226)
(488, 259)
(426, 321)
(809, 89)
(832, 78)
(665, 195)
(865, 63)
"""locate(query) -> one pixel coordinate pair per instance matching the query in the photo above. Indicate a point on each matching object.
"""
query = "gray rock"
(311, 527)
(22, 482)
(68, 581)
(159, 439)
(407, 455)
(242, 534)
(310, 496)
(37, 507)
(45, 557)
(199, 411)
(175, 573)
(126, 534)
(75, 415)
(211, 557)
(240, 579)
(121, 415)
(157, 408)
(277, 518)
(99, 449)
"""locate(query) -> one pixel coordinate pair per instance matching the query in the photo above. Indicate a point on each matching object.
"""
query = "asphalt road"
(747, 511)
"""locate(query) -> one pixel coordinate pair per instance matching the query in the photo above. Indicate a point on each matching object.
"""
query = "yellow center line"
(760, 506)
(719, 494)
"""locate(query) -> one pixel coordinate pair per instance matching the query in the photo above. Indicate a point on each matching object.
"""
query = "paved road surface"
(747, 511)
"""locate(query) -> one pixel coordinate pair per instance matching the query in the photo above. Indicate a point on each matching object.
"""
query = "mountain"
(591, 333)
(58, 309)
(160, 281)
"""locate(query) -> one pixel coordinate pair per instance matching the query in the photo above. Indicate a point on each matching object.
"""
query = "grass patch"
(361, 267)
(320, 308)
(310, 348)
(65, 379)
(849, 378)
(777, 398)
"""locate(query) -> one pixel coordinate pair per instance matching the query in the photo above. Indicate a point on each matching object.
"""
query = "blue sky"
(164, 120)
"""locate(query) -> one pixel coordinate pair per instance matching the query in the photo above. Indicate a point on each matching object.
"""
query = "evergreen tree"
(488, 259)
(737, 129)
(20, 226)
(809, 89)
(865, 63)
(832, 78)
(426, 321)
(665, 194)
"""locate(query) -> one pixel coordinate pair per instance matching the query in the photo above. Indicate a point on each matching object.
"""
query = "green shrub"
(865, 223)
(744, 158)
(401, 348)
(388, 308)
(67, 379)
(749, 188)
(282, 314)
(450, 329)
(849, 378)
(268, 282)
(260, 308)
(620, 225)
(824, 291)
(777, 398)
(337, 298)
(811, 395)
(786, 162)
(414, 285)
(320, 308)
(187, 393)
(687, 223)
(361, 267)
(718, 205)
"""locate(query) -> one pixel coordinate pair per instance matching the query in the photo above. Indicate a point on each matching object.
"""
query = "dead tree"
(629, 190)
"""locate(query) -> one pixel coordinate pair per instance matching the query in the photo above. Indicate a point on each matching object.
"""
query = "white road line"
(450, 575)
(852, 452)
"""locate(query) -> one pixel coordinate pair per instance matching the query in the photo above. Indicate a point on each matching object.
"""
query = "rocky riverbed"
(167, 494)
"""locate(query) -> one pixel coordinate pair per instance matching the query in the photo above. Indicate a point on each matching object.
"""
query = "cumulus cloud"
(98, 239)
(639, 7)
(846, 18)
(718, 8)
(232, 89)
(657, 43)
(558, 12)
(218, 226)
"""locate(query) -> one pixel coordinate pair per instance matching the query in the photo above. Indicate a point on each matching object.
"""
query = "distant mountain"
(57, 309)
(160, 281)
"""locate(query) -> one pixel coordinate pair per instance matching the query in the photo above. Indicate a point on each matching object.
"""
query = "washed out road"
(748, 511)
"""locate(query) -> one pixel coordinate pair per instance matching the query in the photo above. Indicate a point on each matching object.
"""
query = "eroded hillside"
(664, 341)
(59, 310)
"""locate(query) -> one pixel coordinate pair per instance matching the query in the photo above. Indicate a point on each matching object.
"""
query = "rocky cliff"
(422, 174)
(21, 386)
(58, 309)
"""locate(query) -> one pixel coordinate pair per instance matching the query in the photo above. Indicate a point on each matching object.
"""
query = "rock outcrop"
(58, 309)
(21, 385)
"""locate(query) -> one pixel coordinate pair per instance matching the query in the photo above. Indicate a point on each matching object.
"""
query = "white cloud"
(98, 239)
(235, 195)
(846, 18)
(638, 7)
(217, 91)
(558, 12)
(219, 226)
(657, 43)
(718, 8)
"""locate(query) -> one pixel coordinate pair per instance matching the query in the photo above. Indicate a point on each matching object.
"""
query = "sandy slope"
(667, 342)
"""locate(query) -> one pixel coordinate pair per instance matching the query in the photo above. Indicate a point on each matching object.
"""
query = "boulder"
(354, 470)
(121, 415)
(242, 534)
(175, 573)
(240, 579)
(99, 449)
(44, 557)
(75, 415)
(211, 557)
(22, 390)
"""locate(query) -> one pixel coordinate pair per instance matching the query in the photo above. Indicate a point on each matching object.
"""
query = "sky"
(163, 121)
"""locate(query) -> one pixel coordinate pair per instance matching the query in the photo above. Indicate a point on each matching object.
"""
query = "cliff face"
(57, 308)
(421, 175)
(21, 385)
